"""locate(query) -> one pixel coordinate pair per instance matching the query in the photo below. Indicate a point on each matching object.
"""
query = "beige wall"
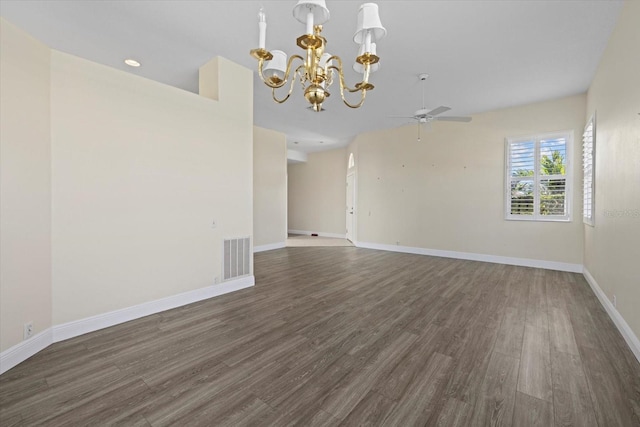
(611, 246)
(317, 195)
(140, 172)
(25, 185)
(446, 192)
(269, 187)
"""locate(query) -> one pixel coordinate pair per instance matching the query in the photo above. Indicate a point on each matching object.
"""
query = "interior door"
(350, 205)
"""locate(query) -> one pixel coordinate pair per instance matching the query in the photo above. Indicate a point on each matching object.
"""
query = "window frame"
(538, 178)
(589, 220)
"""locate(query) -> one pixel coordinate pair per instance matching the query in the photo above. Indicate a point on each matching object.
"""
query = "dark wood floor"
(347, 336)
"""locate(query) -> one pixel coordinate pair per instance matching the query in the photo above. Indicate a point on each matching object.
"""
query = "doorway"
(350, 220)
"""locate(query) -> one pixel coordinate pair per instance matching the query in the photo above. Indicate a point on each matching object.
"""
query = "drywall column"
(141, 171)
(269, 189)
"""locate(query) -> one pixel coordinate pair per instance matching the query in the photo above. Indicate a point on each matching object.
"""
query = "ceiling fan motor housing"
(421, 113)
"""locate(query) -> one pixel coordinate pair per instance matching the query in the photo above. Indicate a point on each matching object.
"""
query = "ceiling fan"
(424, 116)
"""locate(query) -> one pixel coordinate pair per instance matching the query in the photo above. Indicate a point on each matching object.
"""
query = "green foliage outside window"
(552, 190)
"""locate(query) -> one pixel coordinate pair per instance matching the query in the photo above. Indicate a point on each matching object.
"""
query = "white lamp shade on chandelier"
(311, 13)
(277, 66)
(369, 23)
(320, 69)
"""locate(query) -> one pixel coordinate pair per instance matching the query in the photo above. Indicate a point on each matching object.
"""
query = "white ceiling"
(480, 55)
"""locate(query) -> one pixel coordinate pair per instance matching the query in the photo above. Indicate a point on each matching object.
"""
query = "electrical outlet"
(615, 302)
(28, 330)
(213, 224)
(215, 280)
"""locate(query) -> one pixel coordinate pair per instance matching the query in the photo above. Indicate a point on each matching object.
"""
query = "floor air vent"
(236, 258)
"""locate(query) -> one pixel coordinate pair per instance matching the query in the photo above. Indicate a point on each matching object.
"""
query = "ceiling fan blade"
(438, 110)
(453, 119)
(403, 117)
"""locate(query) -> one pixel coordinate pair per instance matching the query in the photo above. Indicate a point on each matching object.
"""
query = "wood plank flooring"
(346, 336)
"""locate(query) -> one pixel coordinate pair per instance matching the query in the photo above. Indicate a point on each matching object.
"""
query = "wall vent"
(236, 258)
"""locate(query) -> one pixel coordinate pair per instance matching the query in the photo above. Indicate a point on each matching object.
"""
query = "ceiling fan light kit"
(318, 69)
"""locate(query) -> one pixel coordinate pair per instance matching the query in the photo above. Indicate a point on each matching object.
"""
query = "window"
(588, 171)
(537, 187)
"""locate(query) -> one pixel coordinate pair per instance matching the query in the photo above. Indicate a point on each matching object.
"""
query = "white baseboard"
(101, 321)
(307, 233)
(319, 233)
(524, 262)
(22, 351)
(618, 320)
(269, 247)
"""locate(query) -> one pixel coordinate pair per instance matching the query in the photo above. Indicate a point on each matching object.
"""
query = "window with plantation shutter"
(588, 172)
(537, 187)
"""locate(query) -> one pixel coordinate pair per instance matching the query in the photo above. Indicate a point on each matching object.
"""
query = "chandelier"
(319, 69)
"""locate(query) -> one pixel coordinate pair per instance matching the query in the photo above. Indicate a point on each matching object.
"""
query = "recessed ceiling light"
(132, 62)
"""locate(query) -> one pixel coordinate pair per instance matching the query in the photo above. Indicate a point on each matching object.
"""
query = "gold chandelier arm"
(341, 74)
(293, 81)
(280, 101)
(360, 87)
(343, 85)
(278, 83)
(359, 104)
(362, 90)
